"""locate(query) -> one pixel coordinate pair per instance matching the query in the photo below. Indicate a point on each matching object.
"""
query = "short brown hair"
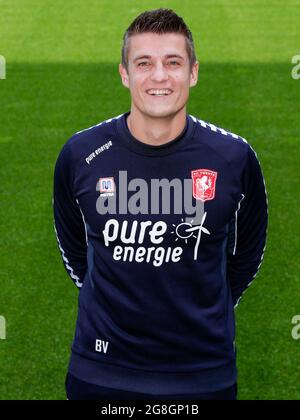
(158, 21)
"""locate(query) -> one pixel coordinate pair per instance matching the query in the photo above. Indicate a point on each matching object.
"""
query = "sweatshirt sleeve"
(69, 222)
(248, 231)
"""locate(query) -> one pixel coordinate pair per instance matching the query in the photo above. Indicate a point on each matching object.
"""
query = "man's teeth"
(159, 92)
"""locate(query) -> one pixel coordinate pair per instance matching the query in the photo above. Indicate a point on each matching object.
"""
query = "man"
(161, 220)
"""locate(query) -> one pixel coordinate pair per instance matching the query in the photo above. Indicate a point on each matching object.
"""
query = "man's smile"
(159, 92)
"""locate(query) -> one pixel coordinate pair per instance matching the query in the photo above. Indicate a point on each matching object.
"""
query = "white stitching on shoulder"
(100, 123)
(215, 128)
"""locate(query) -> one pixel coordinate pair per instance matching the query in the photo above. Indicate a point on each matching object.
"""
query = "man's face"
(155, 62)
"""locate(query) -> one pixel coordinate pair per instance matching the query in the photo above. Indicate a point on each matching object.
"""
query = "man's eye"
(146, 63)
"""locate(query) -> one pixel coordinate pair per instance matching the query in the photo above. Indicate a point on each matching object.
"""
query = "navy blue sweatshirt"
(161, 241)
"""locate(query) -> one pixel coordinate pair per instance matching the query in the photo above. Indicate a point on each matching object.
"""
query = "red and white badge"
(204, 184)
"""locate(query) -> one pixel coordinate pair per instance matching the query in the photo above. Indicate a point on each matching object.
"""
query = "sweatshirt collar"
(148, 149)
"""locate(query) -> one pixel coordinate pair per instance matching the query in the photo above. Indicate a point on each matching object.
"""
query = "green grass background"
(62, 76)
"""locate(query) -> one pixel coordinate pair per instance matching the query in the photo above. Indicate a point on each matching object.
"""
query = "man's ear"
(194, 74)
(124, 75)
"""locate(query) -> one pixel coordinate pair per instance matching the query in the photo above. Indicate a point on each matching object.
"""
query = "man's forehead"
(157, 45)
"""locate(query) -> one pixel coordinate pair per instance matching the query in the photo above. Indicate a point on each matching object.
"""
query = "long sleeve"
(248, 230)
(69, 222)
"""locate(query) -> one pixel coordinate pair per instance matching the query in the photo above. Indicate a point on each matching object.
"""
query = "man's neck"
(156, 131)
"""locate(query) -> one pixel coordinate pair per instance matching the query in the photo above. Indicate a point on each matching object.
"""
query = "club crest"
(204, 184)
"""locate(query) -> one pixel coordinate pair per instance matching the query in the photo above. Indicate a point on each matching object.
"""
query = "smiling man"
(159, 73)
(158, 288)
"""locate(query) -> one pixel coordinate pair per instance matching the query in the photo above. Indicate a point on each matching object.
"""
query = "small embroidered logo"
(204, 184)
(107, 185)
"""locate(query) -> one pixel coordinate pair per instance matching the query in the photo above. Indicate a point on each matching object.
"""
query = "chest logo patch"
(204, 184)
(107, 185)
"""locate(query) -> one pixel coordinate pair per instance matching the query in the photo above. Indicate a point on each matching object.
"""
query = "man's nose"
(159, 72)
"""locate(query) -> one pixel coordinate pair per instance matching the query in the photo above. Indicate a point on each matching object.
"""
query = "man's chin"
(160, 113)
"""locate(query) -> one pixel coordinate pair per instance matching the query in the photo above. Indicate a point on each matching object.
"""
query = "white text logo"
(101, 346)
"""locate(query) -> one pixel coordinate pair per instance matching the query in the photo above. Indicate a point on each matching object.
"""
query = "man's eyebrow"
(166, 56)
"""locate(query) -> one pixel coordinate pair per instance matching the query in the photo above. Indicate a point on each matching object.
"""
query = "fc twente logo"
(204, 184)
